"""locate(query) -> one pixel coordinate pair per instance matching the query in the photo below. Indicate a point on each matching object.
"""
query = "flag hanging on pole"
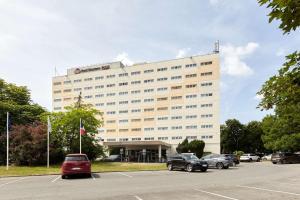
(82, 129)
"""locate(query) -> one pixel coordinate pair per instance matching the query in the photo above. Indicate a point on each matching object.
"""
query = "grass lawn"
(96, 167)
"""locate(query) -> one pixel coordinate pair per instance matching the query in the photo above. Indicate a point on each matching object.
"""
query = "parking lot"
(247, 181)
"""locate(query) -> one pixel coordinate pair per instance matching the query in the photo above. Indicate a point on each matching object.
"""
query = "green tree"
(65, 129)
(282, 93)
(183, 147)
(195, 146)
(232, 136)
(287, 11)
(15, 100)
(253, 137)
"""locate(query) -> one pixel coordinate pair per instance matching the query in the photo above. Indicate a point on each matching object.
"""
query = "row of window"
(137, 91)
(207, 105)
(163, 128)
(163, 118)
(135, 73)
(159, 138)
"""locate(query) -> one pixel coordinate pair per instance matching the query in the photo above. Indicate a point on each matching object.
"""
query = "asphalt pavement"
(247, 181)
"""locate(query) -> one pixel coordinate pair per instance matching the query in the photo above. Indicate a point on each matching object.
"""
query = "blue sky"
(37, 36)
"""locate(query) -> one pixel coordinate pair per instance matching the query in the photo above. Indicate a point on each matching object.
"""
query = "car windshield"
(76, 158)
(190, 157)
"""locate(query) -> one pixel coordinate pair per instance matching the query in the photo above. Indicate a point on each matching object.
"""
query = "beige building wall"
(166, 100)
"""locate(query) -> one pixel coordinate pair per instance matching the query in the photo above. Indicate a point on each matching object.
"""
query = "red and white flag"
(82, 130)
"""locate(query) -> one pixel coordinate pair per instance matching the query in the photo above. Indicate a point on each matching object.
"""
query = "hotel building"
(149, 107)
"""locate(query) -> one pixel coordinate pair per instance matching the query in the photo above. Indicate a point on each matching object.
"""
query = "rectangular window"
(162, 69)
(57, 83)
(206, 84)
(135, 139)
(176, 107)
(136, 101)
(206, 95)
(123, 139)
(176, 67)
(123, 102)
(206, 74)
(190, 106)
(191, 96)
(191, 86)
(77, 89)
(110, 85)
(206, 116)
(177, 138)
(148, 119)
(148, 90)
(123, 84)
(99, 104)
(77, 81)
(176, 117)
(67, 90)
(148, 100)
(162, 99)
(67, 82)
(190, 75)
(148, 71)
(110, 76)
(99, 78)
(162, 89)
(191, 65)
(162, 118)
(99, 95)
(123, 74)
(136, 129)
(149, 129)
(207, 126)
(88, 79)
(123, 130)
(149, 138)
(176, 97)
(148, 109)
(135, 82)
(88, 88)
(149, 81)
(176, 87)
(56, 91)
(191, 127)
(67, 99)
(135, 73)
(110, 94)
(57, 108)
(191, 116)
(135, 91)
(176, 127)
(110, 112)
(123, 121)
(110, 103)
(176, 77)
(162, 108)
(111, 140)
(57, 100)
(164, 128)
(123, 111)
(206, 63)
(206, 105)
(162, 79)
(135, 120)
(136, 110)
(162, 138)
(111, 121)
(99, 86)
(123, 93)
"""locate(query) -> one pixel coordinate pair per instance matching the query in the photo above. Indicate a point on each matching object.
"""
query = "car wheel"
(250, 160)
(63, 177)
(258, 160)
(274, 163)
(170, 167)
(225, 167)
(219, 165)
(189, 168)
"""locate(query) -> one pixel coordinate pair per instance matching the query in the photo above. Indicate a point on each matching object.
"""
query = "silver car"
(217, 161)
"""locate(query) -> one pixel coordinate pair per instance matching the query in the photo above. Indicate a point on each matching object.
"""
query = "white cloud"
(232, 59)
(182, 52)
(214, 2)
(123, 57)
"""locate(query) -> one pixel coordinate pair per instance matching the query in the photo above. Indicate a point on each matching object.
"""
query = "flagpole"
(7, 141)
(80, 137)
(48, 137)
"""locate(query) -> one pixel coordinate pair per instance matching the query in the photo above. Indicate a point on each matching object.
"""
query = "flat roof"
(136, 143)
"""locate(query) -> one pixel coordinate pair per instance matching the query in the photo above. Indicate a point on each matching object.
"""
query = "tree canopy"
(287, 11)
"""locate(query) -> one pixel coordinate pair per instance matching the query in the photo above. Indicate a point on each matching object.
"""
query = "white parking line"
(125, 174)
(278, 191)
(215, 194)
(55, 179)
(138, 198)
(14, 181)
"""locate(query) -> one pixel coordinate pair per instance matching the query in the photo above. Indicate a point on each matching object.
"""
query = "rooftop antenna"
(217, 47)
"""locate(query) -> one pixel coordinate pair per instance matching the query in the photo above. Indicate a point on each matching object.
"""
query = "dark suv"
(285, 158)
(187, 161)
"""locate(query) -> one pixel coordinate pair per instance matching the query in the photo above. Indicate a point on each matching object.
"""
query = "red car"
(75, 164)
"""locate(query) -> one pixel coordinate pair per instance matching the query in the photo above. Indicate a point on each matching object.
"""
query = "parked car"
(76, 164)
(218, 161)
(249, 157)
(233, 157)
(112, 158)
(267, 157)
(188, 162)
(285, 158)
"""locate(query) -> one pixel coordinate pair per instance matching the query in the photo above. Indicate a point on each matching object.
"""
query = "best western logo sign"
(78, 70)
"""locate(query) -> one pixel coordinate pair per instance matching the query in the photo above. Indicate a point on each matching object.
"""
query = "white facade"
(158, 101)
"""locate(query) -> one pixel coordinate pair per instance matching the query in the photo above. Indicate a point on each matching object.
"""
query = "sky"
(38, 36)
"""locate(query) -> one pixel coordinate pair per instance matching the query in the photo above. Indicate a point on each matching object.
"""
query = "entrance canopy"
(137, 143)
